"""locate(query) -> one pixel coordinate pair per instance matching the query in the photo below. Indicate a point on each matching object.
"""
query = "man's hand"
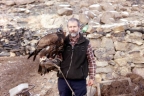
(90, 82)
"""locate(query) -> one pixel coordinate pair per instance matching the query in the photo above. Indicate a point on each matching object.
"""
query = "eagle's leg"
(42, 70)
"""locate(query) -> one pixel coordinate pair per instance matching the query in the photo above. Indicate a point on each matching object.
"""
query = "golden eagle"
(49, 46)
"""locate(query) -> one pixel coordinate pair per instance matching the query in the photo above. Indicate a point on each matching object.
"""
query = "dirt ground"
(17, 70)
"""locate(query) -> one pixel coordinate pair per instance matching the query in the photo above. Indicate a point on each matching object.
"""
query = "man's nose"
(72, 28)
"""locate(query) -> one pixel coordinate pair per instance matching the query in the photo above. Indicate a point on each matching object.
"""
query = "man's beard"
(74, 34)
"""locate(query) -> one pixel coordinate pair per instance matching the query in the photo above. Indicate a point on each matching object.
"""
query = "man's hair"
(74, 19)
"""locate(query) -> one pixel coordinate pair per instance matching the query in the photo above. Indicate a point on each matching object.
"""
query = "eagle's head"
(60, 29)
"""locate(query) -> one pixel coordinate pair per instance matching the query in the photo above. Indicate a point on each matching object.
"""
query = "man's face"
(73, 28)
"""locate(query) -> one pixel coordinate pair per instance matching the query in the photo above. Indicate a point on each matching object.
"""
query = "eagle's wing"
(47, 52)
(44, 42)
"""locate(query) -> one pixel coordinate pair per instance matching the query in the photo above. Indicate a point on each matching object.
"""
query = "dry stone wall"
(115, 30)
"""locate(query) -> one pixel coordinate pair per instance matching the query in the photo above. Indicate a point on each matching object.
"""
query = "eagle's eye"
(59, 30)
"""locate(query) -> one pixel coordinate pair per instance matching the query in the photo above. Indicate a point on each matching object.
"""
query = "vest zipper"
(70, 62)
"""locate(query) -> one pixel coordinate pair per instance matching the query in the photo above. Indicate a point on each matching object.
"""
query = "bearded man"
(77, 62)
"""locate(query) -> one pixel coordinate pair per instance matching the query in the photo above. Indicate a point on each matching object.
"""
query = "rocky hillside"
(115, 30)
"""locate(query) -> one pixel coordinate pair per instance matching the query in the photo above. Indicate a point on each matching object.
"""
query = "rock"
(91, 14)
(9, 2)
(101, 63)
(4, 53)
(119, 54)
(136, 57)
(90, 29)
(125, 14)
(135, 8)
(138, 65)
(111, 62)
(124, 70)
(63, 6)
(60, 21)
(118, 29)
(106, 69)
(120, 46)
(93, 24)
(4, 20)
(127, 4)
(95, 43)
(107, 43)
(121, 61)
(65, 11)
(84, 10)
(135, 38)
(117, 15)
(107, 18)
(92, 1)
(96, 20)
(139, 71)
(49, 3)
(73, 3)
(83, 18)
(94, 35)
(20, 2)
(102, 54)
(95, 7)
(107, 6)
(83, 4)
(12, 54)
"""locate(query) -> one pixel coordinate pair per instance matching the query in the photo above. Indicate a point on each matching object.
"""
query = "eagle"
(47, 47)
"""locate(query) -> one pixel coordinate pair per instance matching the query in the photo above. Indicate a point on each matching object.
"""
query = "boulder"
(65, 11)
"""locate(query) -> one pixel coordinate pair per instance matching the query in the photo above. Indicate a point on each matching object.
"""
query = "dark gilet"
(75, 62)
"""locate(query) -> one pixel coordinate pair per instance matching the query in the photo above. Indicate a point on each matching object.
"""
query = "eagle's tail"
(31, 54)
(34, 53)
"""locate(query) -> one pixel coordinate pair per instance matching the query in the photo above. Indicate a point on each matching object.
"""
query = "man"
(78, 61)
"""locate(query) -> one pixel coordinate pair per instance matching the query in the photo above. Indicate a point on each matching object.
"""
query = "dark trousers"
(78, 86)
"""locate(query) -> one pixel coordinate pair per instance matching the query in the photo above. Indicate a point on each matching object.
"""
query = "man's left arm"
(91, 66)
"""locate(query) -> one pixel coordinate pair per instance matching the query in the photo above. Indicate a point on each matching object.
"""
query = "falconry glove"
(48, 65)
(57, 61)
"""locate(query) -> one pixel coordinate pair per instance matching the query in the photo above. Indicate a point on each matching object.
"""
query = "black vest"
(75, 62)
